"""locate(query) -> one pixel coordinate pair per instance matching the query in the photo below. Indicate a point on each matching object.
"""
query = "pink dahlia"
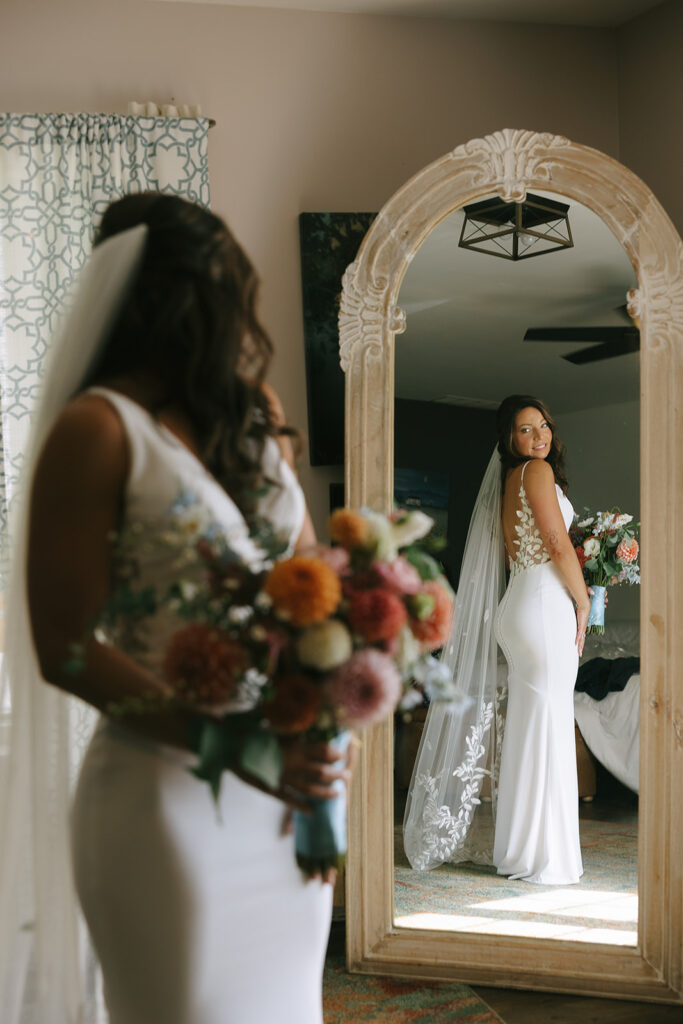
(398, 576)
(365, 689)
(337, 558)
(376, 614)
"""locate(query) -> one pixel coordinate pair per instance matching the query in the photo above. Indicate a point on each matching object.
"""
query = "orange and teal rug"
(357, 998)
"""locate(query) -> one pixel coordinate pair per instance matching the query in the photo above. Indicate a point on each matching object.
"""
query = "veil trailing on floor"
(451, 806)
(47, 970)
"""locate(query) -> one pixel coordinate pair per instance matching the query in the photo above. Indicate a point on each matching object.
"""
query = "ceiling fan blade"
(608, 350)
(603, 334)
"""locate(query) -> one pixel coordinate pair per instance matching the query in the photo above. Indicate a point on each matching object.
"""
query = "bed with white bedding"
(611, 727)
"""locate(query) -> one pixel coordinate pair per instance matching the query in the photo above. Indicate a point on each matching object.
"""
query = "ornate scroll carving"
(509, 158)
(661, 294)
(362, 315)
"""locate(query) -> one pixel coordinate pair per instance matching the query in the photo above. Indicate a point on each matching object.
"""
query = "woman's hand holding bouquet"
(278, 664)
(606, 547)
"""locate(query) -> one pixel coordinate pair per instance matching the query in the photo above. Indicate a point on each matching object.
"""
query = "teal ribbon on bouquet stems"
(596, 615)
(320, 837)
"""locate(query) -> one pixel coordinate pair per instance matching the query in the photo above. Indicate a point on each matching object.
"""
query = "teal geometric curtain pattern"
(58, 172)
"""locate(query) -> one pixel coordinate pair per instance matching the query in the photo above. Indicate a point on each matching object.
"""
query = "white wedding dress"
(198, 916)
(537, 824)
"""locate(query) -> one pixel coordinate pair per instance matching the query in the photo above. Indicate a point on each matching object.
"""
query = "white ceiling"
(467, 313)
(545, 12)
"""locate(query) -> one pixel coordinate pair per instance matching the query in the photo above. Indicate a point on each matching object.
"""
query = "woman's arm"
(75, 506)
(539, 484)
(306, 538)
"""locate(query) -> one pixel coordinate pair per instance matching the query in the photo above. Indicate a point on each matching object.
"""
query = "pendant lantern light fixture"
(516, 231)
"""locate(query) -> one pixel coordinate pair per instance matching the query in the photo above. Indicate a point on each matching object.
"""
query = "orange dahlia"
(348, 528)
(432, 631)
(627, 551)
(294, 705)
(303, 589)
(204, 663)
(376, 614)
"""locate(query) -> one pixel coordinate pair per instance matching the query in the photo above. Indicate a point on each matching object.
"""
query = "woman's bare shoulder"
(538, 471)
(89, 432)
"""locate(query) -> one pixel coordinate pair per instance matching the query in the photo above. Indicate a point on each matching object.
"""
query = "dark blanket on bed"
(601, 676)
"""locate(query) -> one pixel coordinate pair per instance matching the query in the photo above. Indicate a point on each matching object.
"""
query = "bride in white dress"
(197, 917)
(541, 627)
(525, 821)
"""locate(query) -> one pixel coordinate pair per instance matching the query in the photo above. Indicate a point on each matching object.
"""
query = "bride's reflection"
(462, 352)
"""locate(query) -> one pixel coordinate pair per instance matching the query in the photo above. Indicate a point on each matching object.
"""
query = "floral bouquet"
(607, 549)
(312, 646)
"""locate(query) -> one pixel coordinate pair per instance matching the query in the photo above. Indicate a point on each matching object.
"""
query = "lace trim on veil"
(447, 818)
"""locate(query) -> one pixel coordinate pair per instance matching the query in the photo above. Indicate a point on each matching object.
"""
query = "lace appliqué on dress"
(444, 833)
(531, 550)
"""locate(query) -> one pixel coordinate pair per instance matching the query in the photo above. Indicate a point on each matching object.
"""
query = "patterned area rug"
(356, 998)
(603, 907)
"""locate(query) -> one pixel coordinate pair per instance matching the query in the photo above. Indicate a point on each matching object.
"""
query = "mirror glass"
(462, 352)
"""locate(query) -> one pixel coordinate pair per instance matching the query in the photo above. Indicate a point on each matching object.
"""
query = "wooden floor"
(515, 1007)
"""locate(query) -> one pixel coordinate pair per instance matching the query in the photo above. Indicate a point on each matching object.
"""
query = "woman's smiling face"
(531, 434)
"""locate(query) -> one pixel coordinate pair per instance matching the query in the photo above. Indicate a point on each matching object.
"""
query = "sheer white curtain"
(57, 175)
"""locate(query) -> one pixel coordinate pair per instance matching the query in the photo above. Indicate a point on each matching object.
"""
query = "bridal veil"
(451, 806)
(47, 972)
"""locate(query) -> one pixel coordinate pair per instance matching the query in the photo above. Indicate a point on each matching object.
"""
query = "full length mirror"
(509, 165)
(554, 324)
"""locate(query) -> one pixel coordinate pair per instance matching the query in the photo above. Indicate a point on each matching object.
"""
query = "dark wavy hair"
(190, 322)
(505, 422)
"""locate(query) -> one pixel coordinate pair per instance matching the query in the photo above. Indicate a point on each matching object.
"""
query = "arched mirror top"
(510, 163)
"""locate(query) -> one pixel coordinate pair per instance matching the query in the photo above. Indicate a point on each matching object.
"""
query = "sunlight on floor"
(530, 929)
(593, 906)
(593, 903)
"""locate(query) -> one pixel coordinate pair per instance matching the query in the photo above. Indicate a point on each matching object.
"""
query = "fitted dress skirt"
(537, 822)
(198, 914)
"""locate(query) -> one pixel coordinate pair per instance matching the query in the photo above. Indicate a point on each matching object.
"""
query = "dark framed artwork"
(329, 242)
(427, 490)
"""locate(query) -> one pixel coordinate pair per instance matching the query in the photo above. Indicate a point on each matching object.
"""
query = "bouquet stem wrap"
(596, 616)
(320, 837)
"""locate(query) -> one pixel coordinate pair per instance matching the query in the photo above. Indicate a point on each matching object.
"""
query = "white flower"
(380, 537)
(412, 699)
(325, 645)
(239, 614)
(623, 519)
(591, 546)
(408, 649)
(413, 527)
(437, 679)
(585, 522)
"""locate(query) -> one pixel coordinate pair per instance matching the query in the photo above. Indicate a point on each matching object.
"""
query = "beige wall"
(603, 448)
(314, 111)
(651, 103)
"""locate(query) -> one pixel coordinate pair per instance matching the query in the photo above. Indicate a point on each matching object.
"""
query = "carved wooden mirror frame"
(510, 163)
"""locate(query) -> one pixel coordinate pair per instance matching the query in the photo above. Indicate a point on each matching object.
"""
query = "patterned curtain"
(58, 172)
(57, 175)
